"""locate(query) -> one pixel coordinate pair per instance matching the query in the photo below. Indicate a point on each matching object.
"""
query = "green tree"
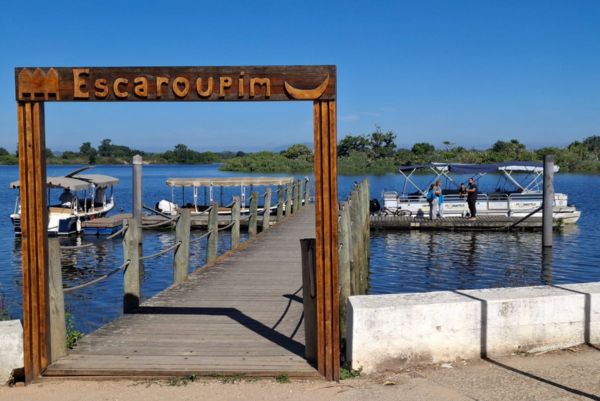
(423, 148)
(382, 144)
(4, 152)
(105, 148)
(87, 150)
(353, 143)
(297, 151)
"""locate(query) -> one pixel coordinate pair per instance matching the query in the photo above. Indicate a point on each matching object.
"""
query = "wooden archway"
(35, 86)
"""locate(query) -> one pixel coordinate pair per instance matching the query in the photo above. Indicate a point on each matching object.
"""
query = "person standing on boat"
(462, 191)
(66, 198)
(440, 197)
(472, 198)
(433, 202)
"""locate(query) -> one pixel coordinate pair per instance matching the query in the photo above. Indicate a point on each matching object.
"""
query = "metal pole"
(137, 192)
(548, 204)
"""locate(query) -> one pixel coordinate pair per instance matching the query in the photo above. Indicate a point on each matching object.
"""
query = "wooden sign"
(35, 86)
(176, 83)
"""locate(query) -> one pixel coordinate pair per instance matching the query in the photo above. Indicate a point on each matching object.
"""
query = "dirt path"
(567, 375)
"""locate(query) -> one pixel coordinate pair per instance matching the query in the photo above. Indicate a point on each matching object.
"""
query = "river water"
(400, 261)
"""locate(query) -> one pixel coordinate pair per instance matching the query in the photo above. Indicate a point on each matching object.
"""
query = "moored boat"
(212, 191)
(518, 195)
(84, 197)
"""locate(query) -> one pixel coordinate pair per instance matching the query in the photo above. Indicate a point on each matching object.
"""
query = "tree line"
(109, 153)
(374, 153)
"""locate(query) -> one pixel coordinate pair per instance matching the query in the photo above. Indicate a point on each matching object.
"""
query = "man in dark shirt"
(472, 198)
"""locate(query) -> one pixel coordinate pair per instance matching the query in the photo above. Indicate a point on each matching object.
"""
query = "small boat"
(210, 186)
(518, 194)
(84, 197)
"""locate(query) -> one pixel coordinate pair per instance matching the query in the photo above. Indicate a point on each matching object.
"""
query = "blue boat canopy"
(464, 168)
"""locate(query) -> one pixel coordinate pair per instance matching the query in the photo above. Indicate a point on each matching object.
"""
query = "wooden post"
(266, 210)
(213, 237)
(365, 231)
(181, 260)
(300, 193)
(307, 191)
(279, 203)
(326, 206)
(253, 217)
(235, 228)
(137, 192)
(131, 277)
(34, 236)
(309, 302)
(288, 200)
(56, 318)
(344, 263)
(294, 208)
(548, 204)
(357, 246)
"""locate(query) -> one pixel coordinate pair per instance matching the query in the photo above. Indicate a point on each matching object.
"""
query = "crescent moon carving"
(307, 94)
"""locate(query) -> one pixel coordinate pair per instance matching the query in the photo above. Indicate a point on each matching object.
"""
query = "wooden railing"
(133, 258)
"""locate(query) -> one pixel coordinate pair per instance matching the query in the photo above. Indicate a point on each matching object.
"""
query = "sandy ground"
(566, 375)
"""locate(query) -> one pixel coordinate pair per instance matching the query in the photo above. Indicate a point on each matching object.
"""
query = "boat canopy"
(76, 183)
(228, 182)
(72, 184)
(464, 168)
(99, 180)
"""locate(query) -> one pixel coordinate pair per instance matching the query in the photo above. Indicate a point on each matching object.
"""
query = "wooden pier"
(243, 315)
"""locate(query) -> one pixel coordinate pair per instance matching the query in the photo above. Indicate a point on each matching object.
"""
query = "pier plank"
(243, 315)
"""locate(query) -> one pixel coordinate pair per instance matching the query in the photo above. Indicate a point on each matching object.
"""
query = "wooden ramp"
(241, 316)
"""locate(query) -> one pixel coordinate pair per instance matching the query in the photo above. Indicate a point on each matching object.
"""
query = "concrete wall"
(388, 331)
(11, 348)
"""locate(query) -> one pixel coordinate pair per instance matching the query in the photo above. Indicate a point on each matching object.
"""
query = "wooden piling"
(299, 196)
(181, 260)
(56, 316)
(306, 191)
(344, 262)
(300, 193)
(235, 218)
(548, 203)
(288, 200)
(253, 218)
(279, 203)
(266, 210)
(309, 302)
(131, 277)
(213, 236)
(365, 232)
(137, 192)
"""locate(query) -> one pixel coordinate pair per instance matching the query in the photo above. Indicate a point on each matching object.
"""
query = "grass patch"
(349, 373)
(282, 378)
(73, 335)
(229, 379)
(181, 380)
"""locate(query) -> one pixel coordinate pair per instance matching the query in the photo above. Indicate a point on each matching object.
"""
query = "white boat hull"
(516, 205)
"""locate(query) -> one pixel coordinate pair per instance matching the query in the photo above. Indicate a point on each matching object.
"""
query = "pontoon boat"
(83, 198)
(519, 194)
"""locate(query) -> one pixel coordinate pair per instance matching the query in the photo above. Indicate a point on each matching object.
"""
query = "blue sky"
(470, 72)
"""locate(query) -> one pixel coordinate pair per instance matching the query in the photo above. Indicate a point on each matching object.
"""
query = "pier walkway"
(243, 315)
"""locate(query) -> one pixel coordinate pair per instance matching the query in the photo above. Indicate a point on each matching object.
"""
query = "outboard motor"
(166, 207)
(374, 206)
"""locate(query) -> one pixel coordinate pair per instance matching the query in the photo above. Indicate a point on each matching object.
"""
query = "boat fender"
(164, 206)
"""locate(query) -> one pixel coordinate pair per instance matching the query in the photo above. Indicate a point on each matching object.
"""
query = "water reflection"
(428, 261)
